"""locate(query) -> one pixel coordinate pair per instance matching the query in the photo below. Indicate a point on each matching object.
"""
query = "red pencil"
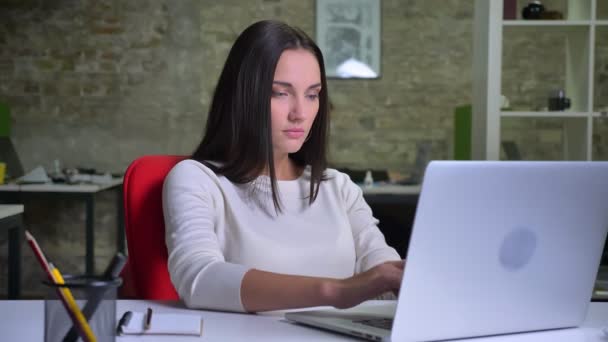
(39, 255)
(47, 269)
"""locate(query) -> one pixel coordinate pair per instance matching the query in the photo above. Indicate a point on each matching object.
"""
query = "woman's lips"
(294, 133)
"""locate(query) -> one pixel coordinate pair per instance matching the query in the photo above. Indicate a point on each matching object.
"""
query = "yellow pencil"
(73, 306)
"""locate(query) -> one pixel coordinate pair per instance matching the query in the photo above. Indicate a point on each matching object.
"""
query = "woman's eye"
(312, 96)
(278, 93)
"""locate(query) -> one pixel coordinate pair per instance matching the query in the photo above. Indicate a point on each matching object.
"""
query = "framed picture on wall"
(348, 34)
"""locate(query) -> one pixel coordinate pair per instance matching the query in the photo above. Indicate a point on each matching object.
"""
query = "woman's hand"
(346, 293)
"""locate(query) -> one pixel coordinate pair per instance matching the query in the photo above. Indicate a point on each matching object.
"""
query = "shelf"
(526, 78)
(541, 137)
(551, 27)
(528, 61)
(555, 114)
(539, 23)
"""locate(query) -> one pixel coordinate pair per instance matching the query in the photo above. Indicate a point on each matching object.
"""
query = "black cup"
(533, 10)
(96, 298)
(559, 103)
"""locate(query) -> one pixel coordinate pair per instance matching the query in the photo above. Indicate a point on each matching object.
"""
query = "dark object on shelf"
(551, 15)
(59, 179)
(511, 150)
(87, 171)
(509, 11)
(558, 101)
(534, 10)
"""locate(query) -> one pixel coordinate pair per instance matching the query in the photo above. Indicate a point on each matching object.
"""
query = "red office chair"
(146, 275)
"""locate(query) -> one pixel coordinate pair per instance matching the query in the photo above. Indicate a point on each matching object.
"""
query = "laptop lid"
(496, 248)
(502, 247)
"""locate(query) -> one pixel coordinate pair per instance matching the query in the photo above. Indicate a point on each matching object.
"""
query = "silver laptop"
(496, 248)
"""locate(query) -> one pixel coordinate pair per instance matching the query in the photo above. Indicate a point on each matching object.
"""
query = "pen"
(116, 265)
(148, 319)
(124, 320)
(111, 273)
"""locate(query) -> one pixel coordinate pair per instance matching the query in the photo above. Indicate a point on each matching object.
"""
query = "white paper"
(165, 324)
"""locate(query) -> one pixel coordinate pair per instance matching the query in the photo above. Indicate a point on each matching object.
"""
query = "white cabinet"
(583, 28)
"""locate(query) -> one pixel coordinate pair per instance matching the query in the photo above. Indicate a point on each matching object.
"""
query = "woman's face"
(295, 100)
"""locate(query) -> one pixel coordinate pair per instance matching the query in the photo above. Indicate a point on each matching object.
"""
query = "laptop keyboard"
(382, 323)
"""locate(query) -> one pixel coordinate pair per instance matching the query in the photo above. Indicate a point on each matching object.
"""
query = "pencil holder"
(82, 306)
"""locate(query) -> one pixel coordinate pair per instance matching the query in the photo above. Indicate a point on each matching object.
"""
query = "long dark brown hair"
(238, 133)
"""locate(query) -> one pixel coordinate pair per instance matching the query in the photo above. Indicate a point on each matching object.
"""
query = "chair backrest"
(145, 227)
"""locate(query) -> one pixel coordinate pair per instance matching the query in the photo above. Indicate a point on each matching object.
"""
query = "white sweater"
(217, 230)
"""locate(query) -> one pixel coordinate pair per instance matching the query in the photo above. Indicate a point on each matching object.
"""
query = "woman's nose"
(297, 110)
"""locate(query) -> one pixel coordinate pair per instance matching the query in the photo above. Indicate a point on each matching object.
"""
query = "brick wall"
(97, 83)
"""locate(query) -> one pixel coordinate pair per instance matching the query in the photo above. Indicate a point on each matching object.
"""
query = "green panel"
(462, 132)
(5, 120)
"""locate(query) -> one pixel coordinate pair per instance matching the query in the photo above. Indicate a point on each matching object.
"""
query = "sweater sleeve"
(197, 267)
(370, 245)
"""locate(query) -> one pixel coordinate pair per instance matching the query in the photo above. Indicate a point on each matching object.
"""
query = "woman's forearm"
(264, 291)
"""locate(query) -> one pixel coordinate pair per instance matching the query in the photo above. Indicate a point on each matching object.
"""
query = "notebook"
(164, 324)
(496, 248)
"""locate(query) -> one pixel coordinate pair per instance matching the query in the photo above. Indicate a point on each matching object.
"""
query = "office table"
(391, 194)
(23, 320)
(11, 193)
(11, 221)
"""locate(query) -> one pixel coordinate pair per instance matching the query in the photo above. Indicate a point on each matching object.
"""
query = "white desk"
(59, 187)
(391, 194)
(391, 189)
(11, 221)
(12, 193)
(24, 321)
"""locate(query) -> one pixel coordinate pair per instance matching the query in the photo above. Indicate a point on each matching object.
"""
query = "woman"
(254, 219)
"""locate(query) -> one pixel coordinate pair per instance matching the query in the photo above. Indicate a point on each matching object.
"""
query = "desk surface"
(391, 189)
(382, 189)
(60, 187)
(7, 210)
(23, 320)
